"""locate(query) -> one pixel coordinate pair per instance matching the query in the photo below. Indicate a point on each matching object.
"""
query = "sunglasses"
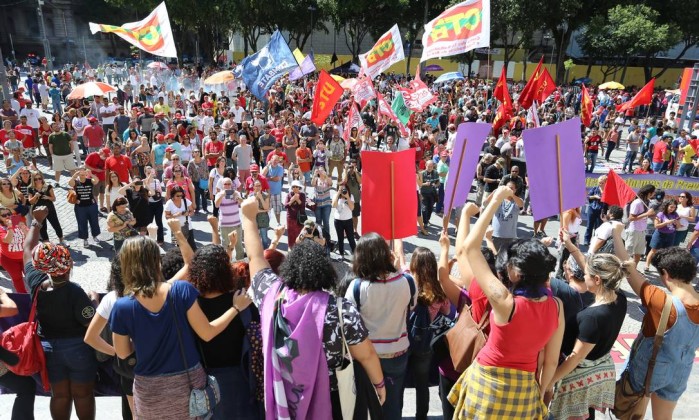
(683, 196)
(295, 187)
(179, 196)
(5, 183)
(5, 215)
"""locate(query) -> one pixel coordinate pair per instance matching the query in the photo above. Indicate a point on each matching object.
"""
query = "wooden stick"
(453, 190)
(560, 180)
(393, 205)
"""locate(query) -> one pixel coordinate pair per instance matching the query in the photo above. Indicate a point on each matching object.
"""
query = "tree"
(413, 19)
(513, 23)
(300, 18)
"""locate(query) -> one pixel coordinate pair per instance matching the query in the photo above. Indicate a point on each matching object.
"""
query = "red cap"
(224, 113)
(92, 119)
(159, 137)
(105, 151)
(254, 168)
(169, 149)
(170, 136)
(444, 153)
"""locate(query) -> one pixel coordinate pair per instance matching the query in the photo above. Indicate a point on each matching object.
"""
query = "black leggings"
(344, 228)
(52, 217)
(25, 388)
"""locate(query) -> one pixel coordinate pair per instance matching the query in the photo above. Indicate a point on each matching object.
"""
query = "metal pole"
(4, 86)
(312, 9)
(12, 45)
(84, 52)
(47, 45)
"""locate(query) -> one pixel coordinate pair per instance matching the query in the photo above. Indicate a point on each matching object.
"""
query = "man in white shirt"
(108, 112)
(44, 94)
(238, 112)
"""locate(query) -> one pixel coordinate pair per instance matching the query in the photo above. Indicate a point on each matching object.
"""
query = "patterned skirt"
(487, 392)
(591, 384)
(166, 396)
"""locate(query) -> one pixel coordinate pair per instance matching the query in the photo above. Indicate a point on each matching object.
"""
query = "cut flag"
(501, 87)
(152, 34)
(643, 97)
(388, 183)
(327, 93)
(616, 191)
(363, 90)
(387, 51)
(585, 107)
(400, 108)
(459, 29)
(505, 111)
(544, 87)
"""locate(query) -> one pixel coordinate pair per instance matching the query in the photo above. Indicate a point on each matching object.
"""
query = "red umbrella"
(91, 89)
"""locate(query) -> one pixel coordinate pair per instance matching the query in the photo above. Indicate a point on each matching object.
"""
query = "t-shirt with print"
(63, 312)
(14, 249)
(353, 325)
(84, 192)
(662, 218)
(505, 220)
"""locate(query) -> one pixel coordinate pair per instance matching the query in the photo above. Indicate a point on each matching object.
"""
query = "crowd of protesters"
(276, 330)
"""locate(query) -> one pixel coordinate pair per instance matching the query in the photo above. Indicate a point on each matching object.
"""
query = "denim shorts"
(661, 240)
(69, 359)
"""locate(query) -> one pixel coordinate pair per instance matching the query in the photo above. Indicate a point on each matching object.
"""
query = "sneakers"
(95, 240)
(85, 243)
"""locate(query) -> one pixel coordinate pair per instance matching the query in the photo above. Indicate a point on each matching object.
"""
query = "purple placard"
(542, 161)
(467, 148)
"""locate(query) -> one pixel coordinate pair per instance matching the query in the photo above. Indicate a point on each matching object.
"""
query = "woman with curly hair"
(666, 223)
(384, 295)
(307, 323)
(212, 275)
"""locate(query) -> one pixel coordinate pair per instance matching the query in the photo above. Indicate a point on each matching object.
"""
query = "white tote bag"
(345, 377)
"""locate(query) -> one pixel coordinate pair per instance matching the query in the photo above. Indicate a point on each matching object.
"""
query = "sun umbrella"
(433, 67)
(447, 77)
(220, 77)
(337, 78)
(91, 89)
(348, 83)
(611, 85)
(157, 65)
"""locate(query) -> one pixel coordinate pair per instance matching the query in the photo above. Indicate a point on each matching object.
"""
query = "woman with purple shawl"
(302, 330)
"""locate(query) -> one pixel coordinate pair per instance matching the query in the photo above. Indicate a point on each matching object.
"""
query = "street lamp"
(311, 9)
(45, 40)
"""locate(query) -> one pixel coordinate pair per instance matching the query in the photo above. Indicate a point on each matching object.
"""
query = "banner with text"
(672, 185)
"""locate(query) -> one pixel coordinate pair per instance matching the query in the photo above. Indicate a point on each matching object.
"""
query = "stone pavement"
(92, 268)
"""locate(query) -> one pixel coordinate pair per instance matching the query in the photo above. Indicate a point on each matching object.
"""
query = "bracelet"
(37, 224)
(381, 384)
(236, 308)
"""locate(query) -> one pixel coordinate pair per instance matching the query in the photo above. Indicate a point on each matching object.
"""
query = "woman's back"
(226, 348)
(517, 344)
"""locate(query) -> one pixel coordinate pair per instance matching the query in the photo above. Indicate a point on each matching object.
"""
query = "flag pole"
(560, 180)
(445, 223)
(393, 205)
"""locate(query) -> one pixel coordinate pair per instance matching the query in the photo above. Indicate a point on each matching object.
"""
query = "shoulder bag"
(466, 338)
(629, 404)
(201, 401)
(345, 374)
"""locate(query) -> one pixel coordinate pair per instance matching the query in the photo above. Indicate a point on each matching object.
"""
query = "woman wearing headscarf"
(63, 311)
(300, 370)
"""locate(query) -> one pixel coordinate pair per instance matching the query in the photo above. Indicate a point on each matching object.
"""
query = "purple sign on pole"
(544, 161)
(467, 148)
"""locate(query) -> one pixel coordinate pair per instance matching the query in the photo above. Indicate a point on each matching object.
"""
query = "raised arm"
(32, 238)
(634, 278)
(253, 242)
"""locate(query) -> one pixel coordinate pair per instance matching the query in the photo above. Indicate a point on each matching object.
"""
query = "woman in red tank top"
(503, 381)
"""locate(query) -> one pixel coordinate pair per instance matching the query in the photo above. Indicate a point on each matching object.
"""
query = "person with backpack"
(384, 297)
(432, 304)
(602, 241)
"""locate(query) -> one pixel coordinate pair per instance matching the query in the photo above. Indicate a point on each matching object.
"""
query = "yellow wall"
(634, 75)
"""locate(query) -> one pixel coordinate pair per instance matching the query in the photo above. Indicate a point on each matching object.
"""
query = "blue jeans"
(440, 199)
(85, 215)
(236, 401)
(594, 219)
(265, 238)
(394, 375)
(695, 254)
(593, 161)
(657, 166)
(629, 160)
(323, 219)
(199, 197)
(685, 169)
(420, 367)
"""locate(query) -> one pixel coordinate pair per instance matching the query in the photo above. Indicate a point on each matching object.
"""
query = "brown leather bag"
(466, 338)
(631, 405)
(72, 197)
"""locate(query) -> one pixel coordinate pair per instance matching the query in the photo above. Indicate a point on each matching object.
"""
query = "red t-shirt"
(659, 151)
(213, 147)
(94, 160)
(119, 164)
(593, 143)
(94, 136)
(278, 134)
(14, 249)
(28, 133)
(304, 153)
(285, 159)
(250, 183)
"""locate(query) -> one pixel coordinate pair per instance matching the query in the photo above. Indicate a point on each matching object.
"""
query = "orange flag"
(328, 92)
(585, 107)
(526, 97)
(501, 87)
(643, 97)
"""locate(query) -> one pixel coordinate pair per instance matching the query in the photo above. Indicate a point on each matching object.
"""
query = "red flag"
(526, 97)
(328, 92)
(502, 116)
(354, 119)
(616, 191)
(505, 110)
(501, 87)
(585, 107)
(643, 97)
(393, 209)
(545, 86)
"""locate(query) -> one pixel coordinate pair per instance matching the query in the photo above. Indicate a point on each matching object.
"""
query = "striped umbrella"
(91, 89)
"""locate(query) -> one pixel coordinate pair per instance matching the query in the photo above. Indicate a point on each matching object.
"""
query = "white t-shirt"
(32, 117)
(604, 231)
(342, 211)
(104, 309)
(79, 125)
(108, 109)
(172, 208)
(238, 113)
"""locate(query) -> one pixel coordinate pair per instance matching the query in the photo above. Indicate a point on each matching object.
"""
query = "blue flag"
(268, 65)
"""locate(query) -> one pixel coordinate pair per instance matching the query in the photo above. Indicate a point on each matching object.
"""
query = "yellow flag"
(298, 55)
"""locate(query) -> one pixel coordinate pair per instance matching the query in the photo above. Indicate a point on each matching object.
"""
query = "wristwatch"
(37, 224)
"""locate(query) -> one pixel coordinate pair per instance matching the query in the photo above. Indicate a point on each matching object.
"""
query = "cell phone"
(229, 193)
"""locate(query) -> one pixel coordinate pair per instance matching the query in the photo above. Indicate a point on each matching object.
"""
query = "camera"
(343, 191)
(229, 193)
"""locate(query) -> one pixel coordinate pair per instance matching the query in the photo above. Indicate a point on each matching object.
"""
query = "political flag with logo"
(400, 109)
(328, 92)
(643, 97)
(459, 29)
(354, 119)
(417, 95)
(152, 34)
(268, 65)
(363, 90)
(387, 51)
